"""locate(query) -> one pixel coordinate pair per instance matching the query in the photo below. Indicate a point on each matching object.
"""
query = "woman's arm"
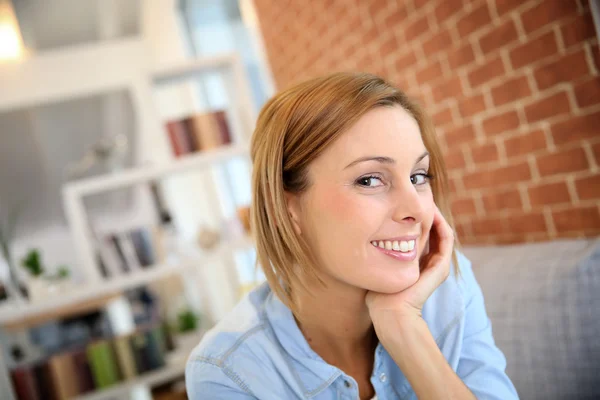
(416, 353)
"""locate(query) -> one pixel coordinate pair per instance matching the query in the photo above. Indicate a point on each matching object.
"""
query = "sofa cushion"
(544, 303)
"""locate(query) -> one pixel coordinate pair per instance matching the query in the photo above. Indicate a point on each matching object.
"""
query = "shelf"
(87, 297)
(190, 68)
(174, 368)
(146, 173)
(19, 314)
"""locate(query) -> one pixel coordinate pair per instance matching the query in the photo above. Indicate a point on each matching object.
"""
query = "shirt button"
(347, 384)
(382, 377)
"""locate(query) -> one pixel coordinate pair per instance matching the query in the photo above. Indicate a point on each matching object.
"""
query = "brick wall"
(513, 86)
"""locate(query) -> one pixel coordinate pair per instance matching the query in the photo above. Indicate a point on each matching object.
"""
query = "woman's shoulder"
(241, 342)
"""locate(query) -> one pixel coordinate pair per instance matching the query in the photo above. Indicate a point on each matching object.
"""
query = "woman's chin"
(398, 281)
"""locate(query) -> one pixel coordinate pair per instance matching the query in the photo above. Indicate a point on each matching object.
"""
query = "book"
(24, 384)
(125, 357)
(178, 137)
(207, 131)
(45, 384)
(103, 364)
(83, 372)
(116, 242)
(142, 243)
(225, 133)
(111, 261)
(129, 251)
(62, 370)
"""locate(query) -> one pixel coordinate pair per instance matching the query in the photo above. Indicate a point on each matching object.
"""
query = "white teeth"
(388, 245)
(381, 245)
(404, 246)
(395, 245)
(411, 245)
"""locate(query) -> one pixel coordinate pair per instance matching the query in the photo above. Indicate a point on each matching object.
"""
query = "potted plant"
(41, 285)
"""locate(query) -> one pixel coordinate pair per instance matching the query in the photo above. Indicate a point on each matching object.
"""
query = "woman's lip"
(404, 238)
(398, 255)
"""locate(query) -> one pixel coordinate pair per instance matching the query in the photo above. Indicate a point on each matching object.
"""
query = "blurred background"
(125, 173)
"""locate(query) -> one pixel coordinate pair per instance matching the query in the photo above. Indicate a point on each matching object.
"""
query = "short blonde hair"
(294, 128)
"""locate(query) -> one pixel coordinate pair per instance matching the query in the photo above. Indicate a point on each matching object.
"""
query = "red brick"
(450, 88)
(438, 42)
(501, 123)
(395, 18)
(512, 90)
(499, 37)
(547, 12)
(577, 128)
(524, 144)
(443, 117)
(471, 105)
(461, 56)
(445, 10)
(489, 226)
(512, 174)
(406, 60)
(572, 160)
(455, 159)
(390, 46)
(596, 151)
(417, 28)
(588, 188)
(430, 73)
(376, 7)
(551, 106)
(534, 50)
(462, 228)
(596, 56)
(504, 6)
(527, 223)
(549, 193)
(579, 29)
(484, 153)
(486, 72)
(567, 68)
(464, 206)
(477, 18)
(577, 218)
(453, 184)
(502, 200)
(587, 92)
(460, 135)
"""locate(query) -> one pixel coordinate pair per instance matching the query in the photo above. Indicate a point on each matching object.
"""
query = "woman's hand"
(435, 268)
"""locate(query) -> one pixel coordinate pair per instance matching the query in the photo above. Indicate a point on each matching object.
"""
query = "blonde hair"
(293, 129)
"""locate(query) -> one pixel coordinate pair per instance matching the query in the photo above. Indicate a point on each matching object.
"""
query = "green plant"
(187, 321)
(33, 263)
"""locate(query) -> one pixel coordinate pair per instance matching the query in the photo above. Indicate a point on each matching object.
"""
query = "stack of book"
(198, 132)
(124, 252)
(103, 363)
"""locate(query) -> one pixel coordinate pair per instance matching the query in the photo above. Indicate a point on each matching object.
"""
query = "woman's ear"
(292, 202)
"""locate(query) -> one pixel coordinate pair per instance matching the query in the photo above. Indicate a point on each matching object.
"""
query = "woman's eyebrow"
(382, 159)
(422, 156)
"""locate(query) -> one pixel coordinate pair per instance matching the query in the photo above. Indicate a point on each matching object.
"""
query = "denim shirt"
(258, 352)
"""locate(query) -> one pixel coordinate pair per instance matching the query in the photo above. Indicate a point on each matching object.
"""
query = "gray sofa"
(544, 303)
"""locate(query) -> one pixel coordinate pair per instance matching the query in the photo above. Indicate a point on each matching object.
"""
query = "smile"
(403, 246)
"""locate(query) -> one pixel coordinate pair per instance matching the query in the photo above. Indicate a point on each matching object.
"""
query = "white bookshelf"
(54, 83)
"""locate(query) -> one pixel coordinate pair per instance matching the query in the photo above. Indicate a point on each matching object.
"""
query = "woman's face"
(369, 207)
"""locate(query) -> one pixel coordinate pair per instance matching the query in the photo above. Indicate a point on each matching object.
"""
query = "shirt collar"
(311, 371)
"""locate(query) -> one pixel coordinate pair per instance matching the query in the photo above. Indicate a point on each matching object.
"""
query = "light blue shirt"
(258, 351)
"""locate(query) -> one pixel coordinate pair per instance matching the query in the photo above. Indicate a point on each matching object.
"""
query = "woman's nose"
(408, 205)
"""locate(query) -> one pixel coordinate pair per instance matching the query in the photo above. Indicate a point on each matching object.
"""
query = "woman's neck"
(336, 323)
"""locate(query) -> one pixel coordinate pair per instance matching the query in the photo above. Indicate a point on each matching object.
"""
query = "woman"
(351, 226)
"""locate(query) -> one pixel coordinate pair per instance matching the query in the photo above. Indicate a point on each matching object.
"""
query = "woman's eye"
(369, 181)
(420, 179)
